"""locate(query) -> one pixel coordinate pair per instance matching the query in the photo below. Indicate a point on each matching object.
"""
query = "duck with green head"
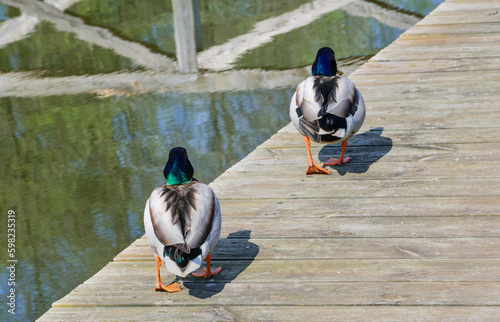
(182, 220)
(326, 108)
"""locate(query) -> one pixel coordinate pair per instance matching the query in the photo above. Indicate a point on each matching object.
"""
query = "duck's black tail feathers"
(181, 254)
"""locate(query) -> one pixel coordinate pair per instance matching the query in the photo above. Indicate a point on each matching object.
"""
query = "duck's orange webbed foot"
(159, 286)
(174, 287)
(313, 168)
(339, 161)
(207, 272)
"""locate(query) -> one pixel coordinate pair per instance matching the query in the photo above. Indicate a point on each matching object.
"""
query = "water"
(78, 168)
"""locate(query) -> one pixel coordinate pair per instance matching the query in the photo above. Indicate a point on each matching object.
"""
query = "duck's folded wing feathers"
(182, 216)
(199, 220)
(166, 224)
(341, 97)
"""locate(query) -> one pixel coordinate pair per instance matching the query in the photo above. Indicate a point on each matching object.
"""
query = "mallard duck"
(326, 108)
(182, 220)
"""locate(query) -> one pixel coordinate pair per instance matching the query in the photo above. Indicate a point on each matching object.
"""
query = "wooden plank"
(433, 92)
(297, 270)
(422, 53)
(338, 248)
(433, 78)
(377, 137)
(335, 188)
(378, 170)
(420, 114)
(420, 119)
(383, 152)
(270, 313)
(260, 165)
(447, 40)
(454, 206)
(453, 6)
(462, 17)
(298, 294)
(419, 107)
(455, 28)
(429, 66)
(368, 227)
(397, 137)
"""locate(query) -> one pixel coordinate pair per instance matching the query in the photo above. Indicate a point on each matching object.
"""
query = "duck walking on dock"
(326, 108)
(182, 220)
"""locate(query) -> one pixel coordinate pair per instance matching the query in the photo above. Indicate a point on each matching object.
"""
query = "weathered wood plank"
(310, 293)
(419, 120)
(463, 17)
(368, 227)
(400, 153)
(411, 115)
(292, 271)
(338, 248)
(413, 109)
(459, 66)
(433, 93)
(444, 41)
(334, 188)
(455, 28)
(403, 53)
(270, 313)
(453, 6)
(261, 169)
(454, 206)
(375, 137)
(431, 78)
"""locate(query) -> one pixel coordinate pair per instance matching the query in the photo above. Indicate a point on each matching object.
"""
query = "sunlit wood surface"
(408, 230)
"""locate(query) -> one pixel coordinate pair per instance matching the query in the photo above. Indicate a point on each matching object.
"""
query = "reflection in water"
(7, 13)
(78, 169)
(152, 23)
(349, 36)
(59, 54)
(421, 7)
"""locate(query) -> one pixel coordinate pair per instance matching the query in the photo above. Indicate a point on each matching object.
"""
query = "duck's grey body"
(327, 109)
(182, 220)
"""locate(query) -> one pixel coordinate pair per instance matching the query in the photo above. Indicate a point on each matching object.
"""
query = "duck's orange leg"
(174, 287)
(312, 167)
(341, 160)
(207, 272)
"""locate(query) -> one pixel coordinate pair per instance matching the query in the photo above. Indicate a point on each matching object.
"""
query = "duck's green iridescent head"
(178, 169)
(325, 64)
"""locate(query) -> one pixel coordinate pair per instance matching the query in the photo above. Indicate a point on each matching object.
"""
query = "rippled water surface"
(78, 167)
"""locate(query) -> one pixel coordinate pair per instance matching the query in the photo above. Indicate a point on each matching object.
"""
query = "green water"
(349, 36)
(77, 169)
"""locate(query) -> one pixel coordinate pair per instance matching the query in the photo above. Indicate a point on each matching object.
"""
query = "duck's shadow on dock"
(234, 254)
(366, 148)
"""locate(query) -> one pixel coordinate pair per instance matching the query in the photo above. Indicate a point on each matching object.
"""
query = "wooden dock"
(408, 230)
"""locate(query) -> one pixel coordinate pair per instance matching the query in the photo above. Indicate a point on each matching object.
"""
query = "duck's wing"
(200, 219)
(337, 96)
(182, 215)
(304, 110)
(305, 101)
(164, 216)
